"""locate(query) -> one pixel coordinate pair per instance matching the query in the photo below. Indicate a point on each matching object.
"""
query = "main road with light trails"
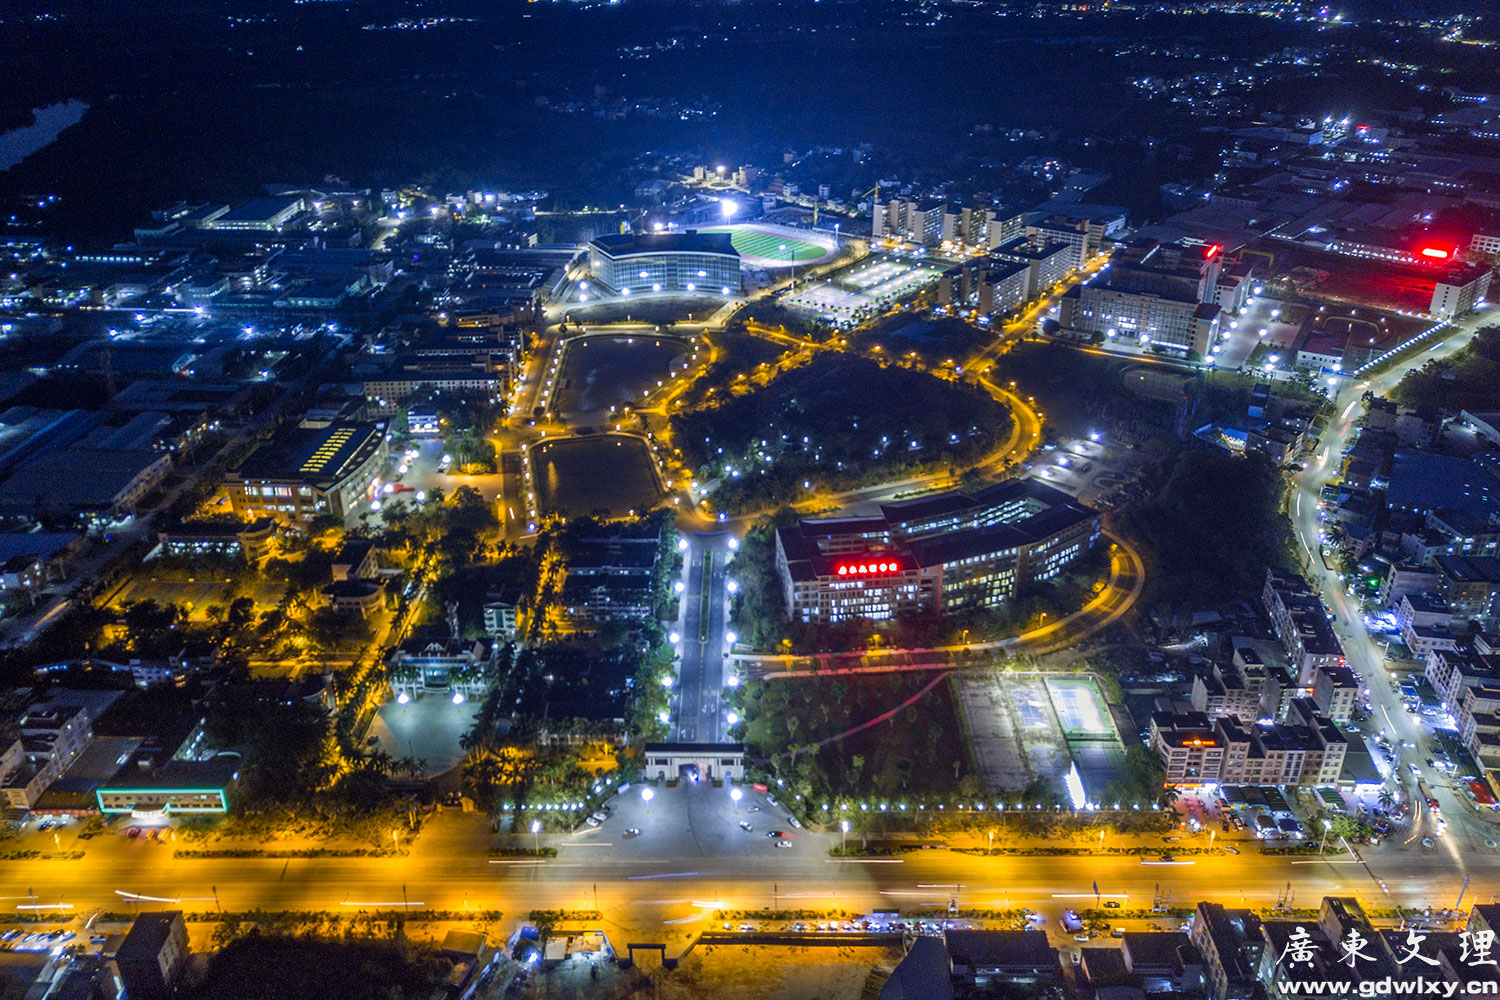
(668, 879)
(1467, 832)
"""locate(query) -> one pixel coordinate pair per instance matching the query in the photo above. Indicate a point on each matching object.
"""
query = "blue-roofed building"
(266, 214)
(1422, 481)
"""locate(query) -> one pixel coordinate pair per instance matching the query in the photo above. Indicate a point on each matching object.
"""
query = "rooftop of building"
(181, 775)
(691, 241)
(148, 934)
(320, 455)
(999, 948)
(1154, 949)
(261, 210)
(1058, 512)
(1426, 603)
(1424, 480)
(1468, 569)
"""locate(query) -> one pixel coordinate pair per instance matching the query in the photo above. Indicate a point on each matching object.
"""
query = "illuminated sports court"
(1080, 707)
(769, 246)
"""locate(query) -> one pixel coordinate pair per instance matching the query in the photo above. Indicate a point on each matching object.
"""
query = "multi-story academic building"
(932, 554)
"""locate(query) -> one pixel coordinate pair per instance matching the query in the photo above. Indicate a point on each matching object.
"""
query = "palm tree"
(1387, 798)
(379, 761)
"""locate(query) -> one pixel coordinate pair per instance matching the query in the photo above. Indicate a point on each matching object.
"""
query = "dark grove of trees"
(1211, 530)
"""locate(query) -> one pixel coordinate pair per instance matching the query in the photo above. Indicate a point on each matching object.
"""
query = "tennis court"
(1080, 708)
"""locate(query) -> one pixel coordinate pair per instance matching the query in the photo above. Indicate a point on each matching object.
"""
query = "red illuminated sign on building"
(869, 566)
(1211, 251)
(1437, 252)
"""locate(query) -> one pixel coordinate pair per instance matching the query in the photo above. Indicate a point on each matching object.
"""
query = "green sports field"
(768, 246)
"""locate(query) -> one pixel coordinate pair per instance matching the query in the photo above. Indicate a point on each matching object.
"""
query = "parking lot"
(695, 820)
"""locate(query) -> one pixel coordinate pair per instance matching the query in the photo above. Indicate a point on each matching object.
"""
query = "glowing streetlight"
(646, 796)
(458, 697)
(844, 836)
(536, 841)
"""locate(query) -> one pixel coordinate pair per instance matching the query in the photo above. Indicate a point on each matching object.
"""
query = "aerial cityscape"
(738, 499)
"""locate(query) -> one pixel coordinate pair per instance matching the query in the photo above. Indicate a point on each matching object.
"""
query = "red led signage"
(869, 566)
(1437, 252)
(1211, 251)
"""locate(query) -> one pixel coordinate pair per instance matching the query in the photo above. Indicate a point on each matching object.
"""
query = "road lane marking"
(1169, 862)
(399, 902)
(635, 878)
(864, 861)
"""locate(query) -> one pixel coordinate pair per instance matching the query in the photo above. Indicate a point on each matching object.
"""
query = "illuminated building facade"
(1307, 750)
(666, 262)
(309, 472)
(1158, 294)
(932, 554)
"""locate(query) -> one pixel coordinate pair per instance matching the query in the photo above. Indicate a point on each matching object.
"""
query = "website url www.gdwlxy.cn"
(1420, 986)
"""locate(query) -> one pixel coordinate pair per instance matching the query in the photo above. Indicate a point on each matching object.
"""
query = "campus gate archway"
(707, 760)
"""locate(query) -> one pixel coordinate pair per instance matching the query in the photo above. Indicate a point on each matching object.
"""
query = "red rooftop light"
(1437, 252)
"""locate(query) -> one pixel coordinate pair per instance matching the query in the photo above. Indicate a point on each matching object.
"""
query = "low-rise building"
(227, 537)
(982, 957)
(152, 955)
(1336, 692)
(1307, 750)
(1478, 719)
(434, 663)
(1230, 942)
(611, 576)
(51, 737)
(500, 616)
(1301, 623)
(1451, 672)
(1406, 578)
(1470, 584)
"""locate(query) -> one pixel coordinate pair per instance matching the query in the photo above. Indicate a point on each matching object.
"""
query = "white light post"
(844, 833)
(734, 796)
(646, 796)
(536, 839)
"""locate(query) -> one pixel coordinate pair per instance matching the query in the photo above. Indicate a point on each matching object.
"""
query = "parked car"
(745, 826)
(774, 834)
(783, 843)
(1111, 904)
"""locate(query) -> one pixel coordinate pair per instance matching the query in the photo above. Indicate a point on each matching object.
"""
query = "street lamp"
(646, 796)
(844, 832)
(734, 796)
(536, 840)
